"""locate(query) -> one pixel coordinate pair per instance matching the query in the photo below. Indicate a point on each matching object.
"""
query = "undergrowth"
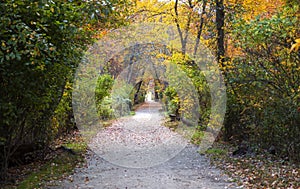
(58, 165)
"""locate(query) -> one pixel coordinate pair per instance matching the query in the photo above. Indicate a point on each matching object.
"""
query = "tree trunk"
(136, 95)
(220, 16)
(199, 32)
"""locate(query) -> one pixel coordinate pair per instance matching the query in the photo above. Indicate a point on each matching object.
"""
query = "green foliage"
(121, 98)
(141, 97)
(62, 120)
(103, 88)
(171, 99)
(103, 98)
(105, 110)
(192, 75)
(42, 43)
(263, 85)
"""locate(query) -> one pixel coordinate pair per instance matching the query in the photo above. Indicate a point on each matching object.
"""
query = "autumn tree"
(264, 81)
(42, 43)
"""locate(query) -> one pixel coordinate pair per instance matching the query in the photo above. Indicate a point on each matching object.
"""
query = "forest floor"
(139, 152)
(256, 170)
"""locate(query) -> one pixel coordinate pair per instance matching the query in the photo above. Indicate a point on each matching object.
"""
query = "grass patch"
(58, 167)
(216, 153)
(132, 113)
(197, 137)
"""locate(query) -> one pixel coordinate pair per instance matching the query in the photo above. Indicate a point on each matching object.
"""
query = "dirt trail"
(137, 152)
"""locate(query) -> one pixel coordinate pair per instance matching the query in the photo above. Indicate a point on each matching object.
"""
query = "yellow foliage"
(295, 47)
(253, 8)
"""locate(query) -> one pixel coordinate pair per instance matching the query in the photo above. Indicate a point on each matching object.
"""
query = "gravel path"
(137, 152)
